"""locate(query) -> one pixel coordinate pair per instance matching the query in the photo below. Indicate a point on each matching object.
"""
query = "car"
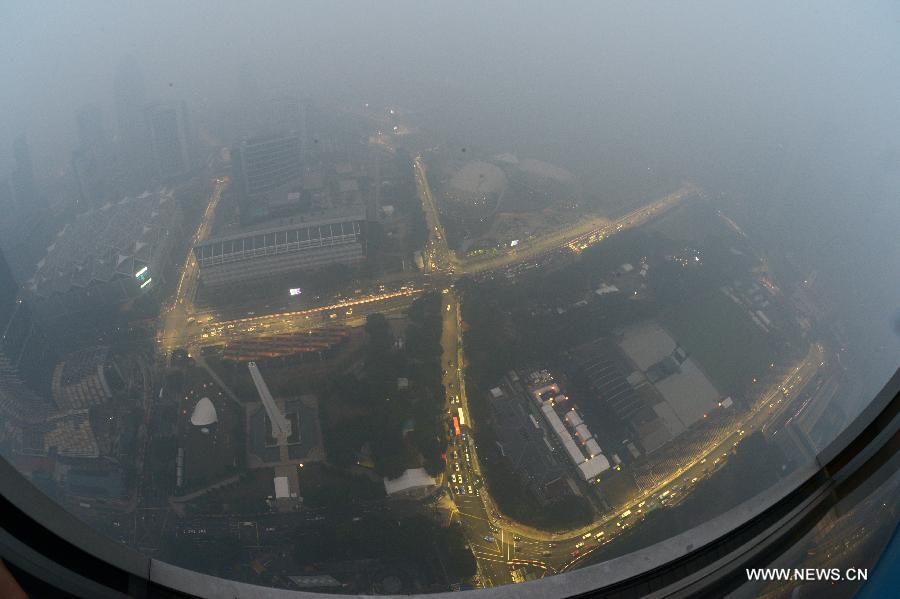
(456, 490)
(586, 536)
(488, 538)
(551, 545)
(457, 466)
(579, 544)
(470, 489)
(453, 477)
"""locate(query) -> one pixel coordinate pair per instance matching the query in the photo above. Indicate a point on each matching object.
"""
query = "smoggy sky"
(795, 105)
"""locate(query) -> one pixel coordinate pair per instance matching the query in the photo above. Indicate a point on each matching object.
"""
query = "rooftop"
(116, 240)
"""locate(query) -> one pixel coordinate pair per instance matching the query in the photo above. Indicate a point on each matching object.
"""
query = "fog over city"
(758, 98)
(783, 118)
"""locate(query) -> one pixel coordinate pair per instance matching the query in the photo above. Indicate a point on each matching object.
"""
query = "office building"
(287, 115)
(93, 161)
(261, 166)
(25, 356)
(130, 99)
(89, 123)
(168, 140)
(280, 247)
(24, 186)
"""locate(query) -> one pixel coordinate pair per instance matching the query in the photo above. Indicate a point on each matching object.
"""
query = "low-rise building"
(107, 256)
(280, 247)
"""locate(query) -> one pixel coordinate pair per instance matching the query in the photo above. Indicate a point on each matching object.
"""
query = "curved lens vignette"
(402, 298)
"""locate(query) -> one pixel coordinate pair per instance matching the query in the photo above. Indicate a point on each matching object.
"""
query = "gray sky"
(794, 104)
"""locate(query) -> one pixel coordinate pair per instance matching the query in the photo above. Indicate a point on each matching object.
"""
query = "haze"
(794, 107)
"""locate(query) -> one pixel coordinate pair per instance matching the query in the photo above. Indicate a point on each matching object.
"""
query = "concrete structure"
(280, 247)
(588, 467)
(107, 256)
(260, 166)
(304, 445)
(79, 380)
(282, 490)
(687, 393)
(25, 360)
(281, 427)
(522, 441)
(169, 140)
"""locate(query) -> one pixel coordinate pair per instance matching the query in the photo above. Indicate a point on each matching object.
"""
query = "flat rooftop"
(687, 392)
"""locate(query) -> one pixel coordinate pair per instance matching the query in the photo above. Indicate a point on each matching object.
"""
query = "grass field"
(720, 336)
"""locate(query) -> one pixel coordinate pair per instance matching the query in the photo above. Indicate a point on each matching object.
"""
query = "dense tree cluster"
(397, 424)
(416, 541)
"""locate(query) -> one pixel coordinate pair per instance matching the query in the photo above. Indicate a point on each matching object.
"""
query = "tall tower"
(23, 183)
(26, 357)
(89, 120)
(130, 99)
(287, 115)
(92, 160)
(168, 140)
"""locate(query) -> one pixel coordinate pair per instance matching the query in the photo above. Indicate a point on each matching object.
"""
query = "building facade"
(291, 246)
(261, 166)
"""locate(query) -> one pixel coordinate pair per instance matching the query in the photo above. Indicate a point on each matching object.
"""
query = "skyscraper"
(260, 166)
(130, 99)
(92, 160)
(287, 115)
(23, 184)
(168, 140)
(26, 357)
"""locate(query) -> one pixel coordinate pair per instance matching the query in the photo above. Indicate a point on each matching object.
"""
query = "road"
(499, 545)
(175, 316)
(437, 255)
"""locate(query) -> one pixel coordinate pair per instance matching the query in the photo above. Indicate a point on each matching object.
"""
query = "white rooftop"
(413, 478)
(593, 467)
(204, 413)
(282, 490)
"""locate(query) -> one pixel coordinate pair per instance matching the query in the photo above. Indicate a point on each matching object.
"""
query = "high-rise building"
(91, 132)
(287, 115)
(261, 166)
(92, 161)
(168, 140)
(130, 99)
(23, 183)
(26, 357)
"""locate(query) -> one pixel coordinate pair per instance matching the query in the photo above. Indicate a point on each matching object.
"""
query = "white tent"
(204, 413)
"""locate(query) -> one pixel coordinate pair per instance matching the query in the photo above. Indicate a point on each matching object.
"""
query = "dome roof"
(204, 413)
